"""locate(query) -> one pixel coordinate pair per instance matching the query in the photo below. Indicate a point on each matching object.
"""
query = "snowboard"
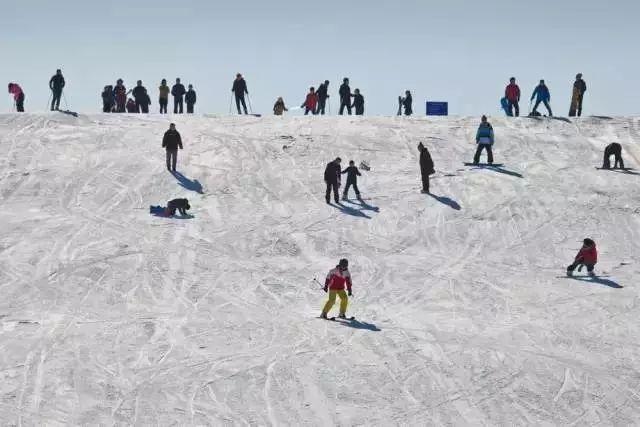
(399, 105)
(337, 319)
(504, 103)
(575, 98)
(614, 169)
(70, 113)
(582, 276)
(497, 165)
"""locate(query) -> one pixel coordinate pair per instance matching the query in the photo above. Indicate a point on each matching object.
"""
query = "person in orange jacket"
(335, 283)
(18, 96)
(311, 102)
(587, 256)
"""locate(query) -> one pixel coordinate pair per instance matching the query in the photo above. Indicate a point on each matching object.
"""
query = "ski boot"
(344, 197)
(592, 274)
(323, 315)
(569, 273)
(342, 316)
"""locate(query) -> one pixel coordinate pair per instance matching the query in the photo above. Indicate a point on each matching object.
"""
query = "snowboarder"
(171, 141)
(190, 99)
(163, 99)
(131, 106)
(279, 107)
(18, 96)
(587, 256)
(56, 84)
(108, 100)
(426, 167)
(358, 102)
(352, 179)
(120, 94)
(332, 178)
(484, 140)
(239, 88)
(335, 283)
(181, 205)
(542, 94)
(311, 102)
(579, 88)
(323, 94)
(613, 149)
(140, 96)
(345, 96)
(178, 93)
(512, 93)
(407, 103)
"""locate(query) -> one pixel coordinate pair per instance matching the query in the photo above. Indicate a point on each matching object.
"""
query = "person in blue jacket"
(484, 139)
(541, 93)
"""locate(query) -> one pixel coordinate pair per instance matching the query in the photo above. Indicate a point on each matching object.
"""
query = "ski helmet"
(344, 263)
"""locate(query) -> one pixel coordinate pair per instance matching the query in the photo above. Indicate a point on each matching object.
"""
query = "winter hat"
(588, 242)
(343, 263)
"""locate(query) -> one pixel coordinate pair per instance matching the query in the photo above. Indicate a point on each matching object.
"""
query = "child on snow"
(352, 179)
(131, 106)
(335, 283)
(18, 96)
(613, 149)
(484, 139)
(311, 102)
(426, 167)
(587, 256)
(279, 107)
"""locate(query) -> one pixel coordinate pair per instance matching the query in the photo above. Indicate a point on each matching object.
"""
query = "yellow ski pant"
(344, 300)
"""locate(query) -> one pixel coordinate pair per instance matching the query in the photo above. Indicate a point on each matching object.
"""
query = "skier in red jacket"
(335, 283)
(588, 256)
(512, 93)
(311, 102)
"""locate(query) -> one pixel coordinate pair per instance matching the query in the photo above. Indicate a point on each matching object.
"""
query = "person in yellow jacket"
(335, 283)
(279, 107)
(164, 96)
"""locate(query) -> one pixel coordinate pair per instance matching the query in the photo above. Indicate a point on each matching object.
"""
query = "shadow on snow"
(191, 185)
(357, 324)
(501, 170)
(599, 280)
(447, 201)
(358, 209)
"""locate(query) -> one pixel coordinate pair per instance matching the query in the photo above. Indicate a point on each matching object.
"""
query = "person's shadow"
(357, 324)
(446, 201)
(500, 169)
(599, 280)
(357, 208)
(191, 185)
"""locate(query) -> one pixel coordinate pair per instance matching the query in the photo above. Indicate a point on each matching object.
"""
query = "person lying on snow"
(588, 256)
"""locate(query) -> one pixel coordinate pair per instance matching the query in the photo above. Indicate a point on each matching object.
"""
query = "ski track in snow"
(112, 316)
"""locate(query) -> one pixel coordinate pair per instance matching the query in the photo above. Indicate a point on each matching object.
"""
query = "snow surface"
(112, 316)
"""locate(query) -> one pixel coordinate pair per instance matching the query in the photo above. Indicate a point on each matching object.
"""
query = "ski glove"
(350, 293)
(325, 288)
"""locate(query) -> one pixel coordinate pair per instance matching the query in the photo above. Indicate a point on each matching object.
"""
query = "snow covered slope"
(112, 316)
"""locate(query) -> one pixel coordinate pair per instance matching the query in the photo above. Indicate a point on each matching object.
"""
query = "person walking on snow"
(484, 140)
(279, 108)
(178, 93)
(332, 178)
(345, 96)
(18, 96)
(163, 99)
(323, 95)
(587, 256)
(426, 167)
(613, 149)
(56, 84)
(579, 88)
(512, 93)
(335, 283)
(190, 99)
(311, 102)
(171, 141)
(542, 94)
(239, 88)
(352, 179)
(358, 102)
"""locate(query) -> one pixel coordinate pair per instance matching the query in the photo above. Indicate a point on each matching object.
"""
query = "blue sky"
(462, 52)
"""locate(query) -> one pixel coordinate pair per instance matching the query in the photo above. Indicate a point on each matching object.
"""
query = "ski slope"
(111, 316)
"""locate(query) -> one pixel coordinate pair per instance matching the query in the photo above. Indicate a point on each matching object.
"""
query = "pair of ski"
(337, 319)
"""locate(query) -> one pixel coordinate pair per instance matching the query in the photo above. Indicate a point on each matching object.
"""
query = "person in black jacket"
(323, 94)
(352, 179)
(345, 96)
(426, 167)
(181, 205)
(56, 84)
(190, 99)
(358, 102)
(140, 96)
(171, 141)
(613, 149)
(239, 88)
(178, 92)
(108, 100)
(579, 88)
(332, 178)
(407, 103)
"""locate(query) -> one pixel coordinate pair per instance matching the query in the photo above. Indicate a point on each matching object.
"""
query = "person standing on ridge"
(345, 96)
(352, 179)
(579, 88)
(190, 99)
(587, 256)
(171, 142)
(239, 88)
(542, 94)
(426, 167)
(120, 94)
(311, 102)
(279, 108)
(407, 103)
(108, 100)
(163, 99)
(332, 178)
(139, 95)
(56, 84)
(335, 283)
(18, 96)
(512, 93)
(323, 94)
(178, 93)
(358, 102)
(484, 140)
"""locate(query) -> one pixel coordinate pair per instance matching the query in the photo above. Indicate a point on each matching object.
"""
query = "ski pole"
(48, 102)
(319, 284)
(249, 99)
(65, 100)
(230, 103)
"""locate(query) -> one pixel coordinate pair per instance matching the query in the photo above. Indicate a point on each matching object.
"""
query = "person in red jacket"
(512, 93)
(311, 102)
(335, 283)
(588, 256)
(18, 96)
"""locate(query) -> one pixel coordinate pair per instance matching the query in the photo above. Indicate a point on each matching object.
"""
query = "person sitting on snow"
(587, 256)
(131, 106)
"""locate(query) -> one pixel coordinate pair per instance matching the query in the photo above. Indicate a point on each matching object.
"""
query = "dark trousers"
(578, 262)
(514, 105)
(355, 188)
(163, 105)
(142, 107)
(476, 158)
(425, 180)
(359, 111)
(618, 162)
(20, 103)
(332, 186)
(107, 107)
(55, 100)
(178, 105)
(345, 103)
(322, 104)
(121, 105)
(172, 159)
(579, 105)
(308, 110)
(190, 108)
(240, 100)
(546, 104)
